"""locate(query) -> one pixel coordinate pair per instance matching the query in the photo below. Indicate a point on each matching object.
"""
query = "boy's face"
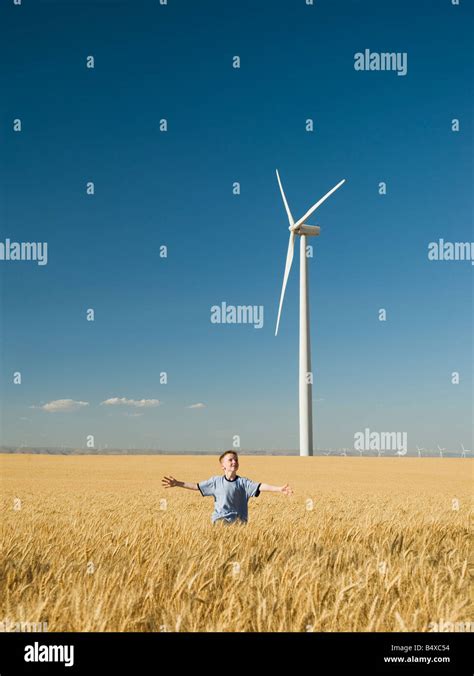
(230, 463)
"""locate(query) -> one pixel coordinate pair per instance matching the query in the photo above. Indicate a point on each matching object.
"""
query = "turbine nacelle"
(308, 230)
(298, 228)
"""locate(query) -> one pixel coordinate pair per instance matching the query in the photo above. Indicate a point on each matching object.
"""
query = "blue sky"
(174, 188)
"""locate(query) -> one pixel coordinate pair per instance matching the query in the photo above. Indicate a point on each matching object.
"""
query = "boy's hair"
(221, 457)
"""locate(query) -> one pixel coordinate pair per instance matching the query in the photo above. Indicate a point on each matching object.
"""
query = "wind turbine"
(464, 451)
(303, 230)
(419, 451)
(441, 451)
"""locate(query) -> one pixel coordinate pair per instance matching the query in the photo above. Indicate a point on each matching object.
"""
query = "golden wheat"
(94, 543)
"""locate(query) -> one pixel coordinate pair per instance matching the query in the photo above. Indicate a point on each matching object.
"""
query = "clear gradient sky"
(174, 188)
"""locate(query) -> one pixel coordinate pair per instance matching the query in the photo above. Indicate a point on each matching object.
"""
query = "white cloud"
(62, 405)
(199, 405)
(136, 403)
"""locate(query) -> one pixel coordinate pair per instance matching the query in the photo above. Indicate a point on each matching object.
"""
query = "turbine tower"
(303, 230)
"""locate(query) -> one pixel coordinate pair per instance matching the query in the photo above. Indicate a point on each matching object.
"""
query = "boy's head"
(229, 461)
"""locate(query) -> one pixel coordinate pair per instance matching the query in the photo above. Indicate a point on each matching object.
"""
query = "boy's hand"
(286, 489)
(169, 482)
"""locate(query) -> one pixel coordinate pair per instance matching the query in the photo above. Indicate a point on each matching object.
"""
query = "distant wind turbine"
(441, 451)
(419, 451)
(303, 230)
(464, 451)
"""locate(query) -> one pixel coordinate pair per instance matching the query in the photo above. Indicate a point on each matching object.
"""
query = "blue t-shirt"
(230, 496)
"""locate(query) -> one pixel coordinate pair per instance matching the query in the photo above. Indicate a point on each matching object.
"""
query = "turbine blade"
(318, 204)
(289, 260)
(290, 217)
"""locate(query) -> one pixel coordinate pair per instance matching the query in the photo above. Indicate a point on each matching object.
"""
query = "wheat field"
(94, 543)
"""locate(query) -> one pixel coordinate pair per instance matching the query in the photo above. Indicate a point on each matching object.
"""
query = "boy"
(230, 491)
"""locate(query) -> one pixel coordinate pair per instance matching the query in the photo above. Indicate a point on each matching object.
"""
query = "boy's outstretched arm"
(286, 489)
(171, 482)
